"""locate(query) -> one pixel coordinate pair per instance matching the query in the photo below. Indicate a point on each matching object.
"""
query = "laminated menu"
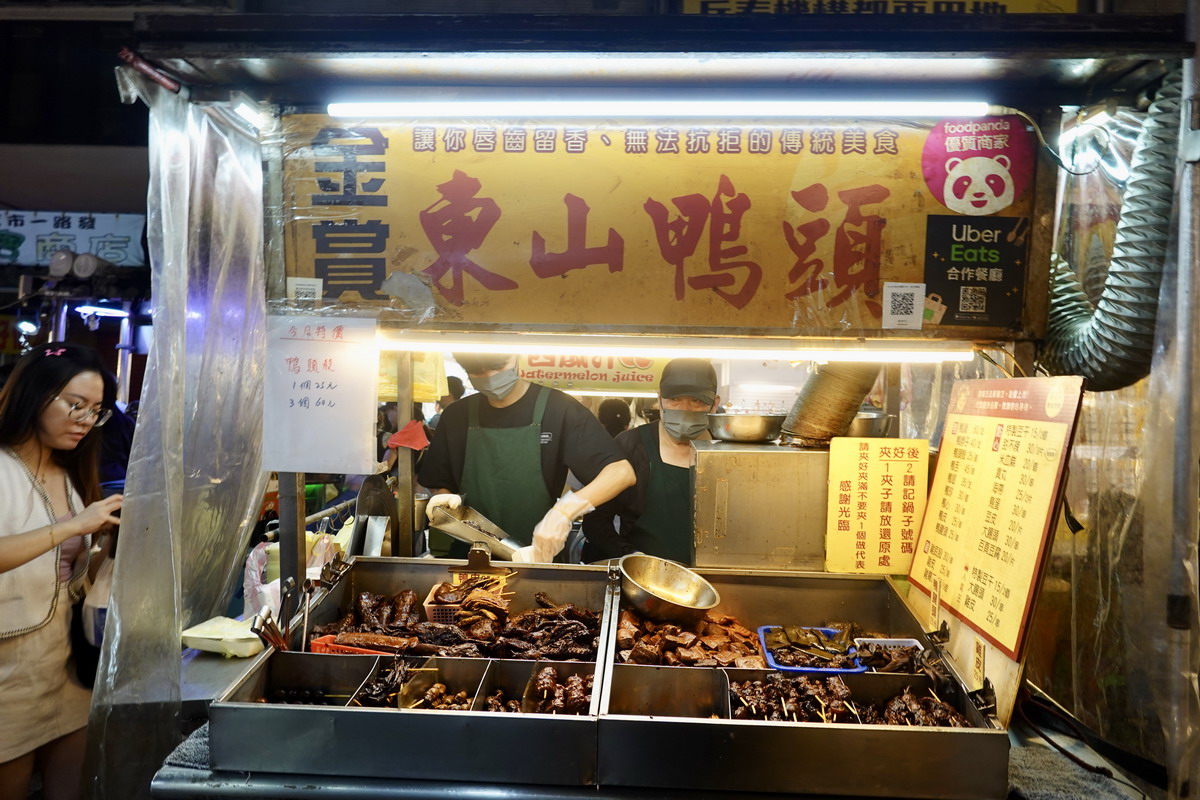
(990, 513)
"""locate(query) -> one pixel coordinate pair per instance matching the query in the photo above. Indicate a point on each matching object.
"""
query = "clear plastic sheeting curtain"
(195, 481)
(1100, 643)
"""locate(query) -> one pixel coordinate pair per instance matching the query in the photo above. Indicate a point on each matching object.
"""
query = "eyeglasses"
(76, 412)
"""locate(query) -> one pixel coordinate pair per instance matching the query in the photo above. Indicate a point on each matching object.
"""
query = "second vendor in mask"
(655, 515)
(508, 449)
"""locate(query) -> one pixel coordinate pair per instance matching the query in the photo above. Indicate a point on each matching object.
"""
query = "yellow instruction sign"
(877, 490)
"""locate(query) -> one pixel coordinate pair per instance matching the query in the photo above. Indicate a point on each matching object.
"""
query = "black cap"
(689, 377)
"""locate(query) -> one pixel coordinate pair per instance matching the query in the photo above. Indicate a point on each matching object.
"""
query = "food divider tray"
(249, 735)
(671, 727)
(763, 630)
(646, 726)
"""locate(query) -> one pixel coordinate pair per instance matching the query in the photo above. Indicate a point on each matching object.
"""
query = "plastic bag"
(95, 605)
(428, 377)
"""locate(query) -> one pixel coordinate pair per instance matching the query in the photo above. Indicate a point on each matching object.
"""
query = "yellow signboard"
(870, 7)
(610, 374)
(812, 227)
(991, 508)
(877, 490)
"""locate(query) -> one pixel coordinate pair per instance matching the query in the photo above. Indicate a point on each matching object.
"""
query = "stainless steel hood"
(1027, 59)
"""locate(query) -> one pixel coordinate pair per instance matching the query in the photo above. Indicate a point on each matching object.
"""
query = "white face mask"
(684, 425)
(496, 386)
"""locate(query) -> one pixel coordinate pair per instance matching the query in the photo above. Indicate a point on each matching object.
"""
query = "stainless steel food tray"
(656, 727)
(670, 727)
(249, 735)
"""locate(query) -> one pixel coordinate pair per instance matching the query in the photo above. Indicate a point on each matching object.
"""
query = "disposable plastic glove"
(523, 555)
(450, 501)
(550, 534)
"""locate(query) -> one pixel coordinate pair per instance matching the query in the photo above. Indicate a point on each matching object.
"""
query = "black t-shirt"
(572, 438)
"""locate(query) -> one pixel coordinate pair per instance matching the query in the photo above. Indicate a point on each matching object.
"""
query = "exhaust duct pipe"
(828, 402)
(1111, 344)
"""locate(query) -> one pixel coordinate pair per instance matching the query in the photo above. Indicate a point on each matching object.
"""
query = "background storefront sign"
(320, 395)
(654, 226)
(991, 509)
(612, 374)
(29, 238)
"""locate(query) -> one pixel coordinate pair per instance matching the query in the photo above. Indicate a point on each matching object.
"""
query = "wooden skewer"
(855, 710)
(935, 697)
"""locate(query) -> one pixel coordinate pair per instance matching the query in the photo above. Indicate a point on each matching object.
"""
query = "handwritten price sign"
(320, 395)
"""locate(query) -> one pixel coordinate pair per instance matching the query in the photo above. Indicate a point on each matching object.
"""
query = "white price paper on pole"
(319, 413)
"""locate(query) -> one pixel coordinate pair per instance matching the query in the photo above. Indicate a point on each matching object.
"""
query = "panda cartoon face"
(978, 185)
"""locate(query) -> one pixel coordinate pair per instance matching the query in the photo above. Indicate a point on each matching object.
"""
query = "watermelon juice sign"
(809, 227)
(614, 375)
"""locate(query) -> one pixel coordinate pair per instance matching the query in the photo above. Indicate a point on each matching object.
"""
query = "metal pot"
(665, 591)
(870, 424)
(745, 427)
(420, 501)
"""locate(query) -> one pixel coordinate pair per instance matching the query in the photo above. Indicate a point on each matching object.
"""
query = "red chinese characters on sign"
(456, 225)
(679, 237)
(577, 255)
(857, 246)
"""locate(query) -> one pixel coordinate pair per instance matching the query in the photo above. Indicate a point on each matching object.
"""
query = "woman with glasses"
(50, 407)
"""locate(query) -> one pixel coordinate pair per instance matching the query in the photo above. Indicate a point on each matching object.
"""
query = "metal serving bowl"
(746, 427)
(665, 591)
(870, 424)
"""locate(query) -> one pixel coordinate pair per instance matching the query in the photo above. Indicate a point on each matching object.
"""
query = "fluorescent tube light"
(877, 352)
(609, 393)
(248, 112)
(643, 108)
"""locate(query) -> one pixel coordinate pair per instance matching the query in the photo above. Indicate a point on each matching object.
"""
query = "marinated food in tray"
(879, 657)
(496, 701)
(805, 699)
(454, 593)
(572, 697)
(440, 698)
(717, 640)
(483, 627)
(796, 646)
(383, 688)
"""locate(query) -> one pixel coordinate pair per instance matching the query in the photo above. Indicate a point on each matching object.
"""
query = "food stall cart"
(286, 62)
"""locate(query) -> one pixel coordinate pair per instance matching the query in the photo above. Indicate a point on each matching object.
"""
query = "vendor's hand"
(523, 555)
(551, 533)
(96, 516)
(450, 501)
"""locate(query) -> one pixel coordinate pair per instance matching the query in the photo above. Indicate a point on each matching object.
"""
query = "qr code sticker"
(972, 299)
(304, 290)
(903, 303)
(306, 293)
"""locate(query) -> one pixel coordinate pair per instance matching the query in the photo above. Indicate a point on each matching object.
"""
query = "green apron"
(665, 527)
(502, 477)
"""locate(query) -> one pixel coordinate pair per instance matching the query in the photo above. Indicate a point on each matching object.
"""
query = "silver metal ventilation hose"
(1111, 344)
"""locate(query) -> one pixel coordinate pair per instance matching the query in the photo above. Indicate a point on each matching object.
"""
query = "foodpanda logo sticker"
(978, 166)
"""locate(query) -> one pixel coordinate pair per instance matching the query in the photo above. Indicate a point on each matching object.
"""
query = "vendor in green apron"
(655, 515)
(506, 451)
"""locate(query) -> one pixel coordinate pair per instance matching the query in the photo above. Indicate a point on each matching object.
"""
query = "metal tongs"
(468, 525)
(263, 626)
(333, 570)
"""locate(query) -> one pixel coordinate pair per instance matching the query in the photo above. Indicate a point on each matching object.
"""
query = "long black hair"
(37, 378)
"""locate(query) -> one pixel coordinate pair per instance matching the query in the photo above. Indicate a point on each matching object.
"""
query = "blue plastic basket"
(773, 664)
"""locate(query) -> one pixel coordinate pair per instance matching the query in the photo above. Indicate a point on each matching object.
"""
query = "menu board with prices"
(991, 509)
(319, 398)
(877, 490)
